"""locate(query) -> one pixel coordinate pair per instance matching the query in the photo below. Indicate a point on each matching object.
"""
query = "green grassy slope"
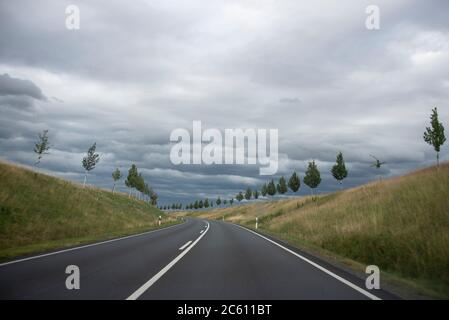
(399, 224)
(40, 212)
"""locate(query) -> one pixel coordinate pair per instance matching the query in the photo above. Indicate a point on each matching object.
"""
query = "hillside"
(40, 212)
(399, 224)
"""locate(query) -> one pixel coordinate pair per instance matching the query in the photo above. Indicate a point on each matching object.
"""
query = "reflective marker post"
(257, 222)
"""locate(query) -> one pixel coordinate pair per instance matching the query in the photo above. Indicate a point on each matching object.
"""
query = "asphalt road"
(195, 260)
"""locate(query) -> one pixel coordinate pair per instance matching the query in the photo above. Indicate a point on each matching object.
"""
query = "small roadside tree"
(41, 146)
(312, 178)
(218, 202)
(339, 169)
(271, 188)
(256, 194)
(264, 190)
(140, 186)
(434, 135)
(231, 201)
(239, 196)
(90, 161)
(131, 179)
(294, 182)
(282, 186)
(116, 176)
(248, 194)
(153, 196)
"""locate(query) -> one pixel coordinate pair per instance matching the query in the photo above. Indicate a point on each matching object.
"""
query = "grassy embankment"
(40, 212)
(399, 224)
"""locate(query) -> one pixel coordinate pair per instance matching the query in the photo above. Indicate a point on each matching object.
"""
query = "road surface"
(197, 259)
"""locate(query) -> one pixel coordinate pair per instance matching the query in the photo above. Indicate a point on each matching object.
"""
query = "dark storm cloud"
(135, 72)
(17, 87)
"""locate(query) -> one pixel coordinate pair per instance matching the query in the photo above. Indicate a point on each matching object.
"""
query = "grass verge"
(399, 224)
(40, 213)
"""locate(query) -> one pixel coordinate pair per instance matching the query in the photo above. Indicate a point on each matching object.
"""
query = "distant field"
(399, 224)
(40, 212)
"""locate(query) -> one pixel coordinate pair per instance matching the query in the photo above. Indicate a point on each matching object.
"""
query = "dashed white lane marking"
(201, 231)
(184, 246)
(158, 275)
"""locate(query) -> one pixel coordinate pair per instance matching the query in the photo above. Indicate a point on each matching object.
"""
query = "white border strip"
(346, 282)
(157, 276)
(87, 245)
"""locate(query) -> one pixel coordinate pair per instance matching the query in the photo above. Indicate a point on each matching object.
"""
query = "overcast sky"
(136, 70)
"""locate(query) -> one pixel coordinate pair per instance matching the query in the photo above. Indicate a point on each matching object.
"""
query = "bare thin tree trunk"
(113, 188)
(85, 179)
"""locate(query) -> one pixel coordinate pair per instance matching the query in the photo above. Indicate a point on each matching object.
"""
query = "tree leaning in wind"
(131, 179)
(434, 135)
(339, 169)
(312, 178)
(90, 161)
(116, 175)
(153, 196)
(140, 186)
(41, 146)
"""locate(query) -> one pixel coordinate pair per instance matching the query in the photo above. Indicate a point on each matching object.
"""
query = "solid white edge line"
(184, 246)
(343, 280)
(157, 276)
(87, 245)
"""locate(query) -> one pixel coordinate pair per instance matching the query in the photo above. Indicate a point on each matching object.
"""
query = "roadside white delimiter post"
(257, 222)
(160, 220)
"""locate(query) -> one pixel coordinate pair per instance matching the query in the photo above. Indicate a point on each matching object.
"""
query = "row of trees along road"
(134, 180)
(433, 135)
(311, 179)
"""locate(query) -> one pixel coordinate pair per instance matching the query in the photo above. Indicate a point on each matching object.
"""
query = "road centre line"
(135, 295)
(185, 245)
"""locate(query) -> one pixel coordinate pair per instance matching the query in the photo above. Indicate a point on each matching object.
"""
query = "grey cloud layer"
(136, 71)
(13, 86)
